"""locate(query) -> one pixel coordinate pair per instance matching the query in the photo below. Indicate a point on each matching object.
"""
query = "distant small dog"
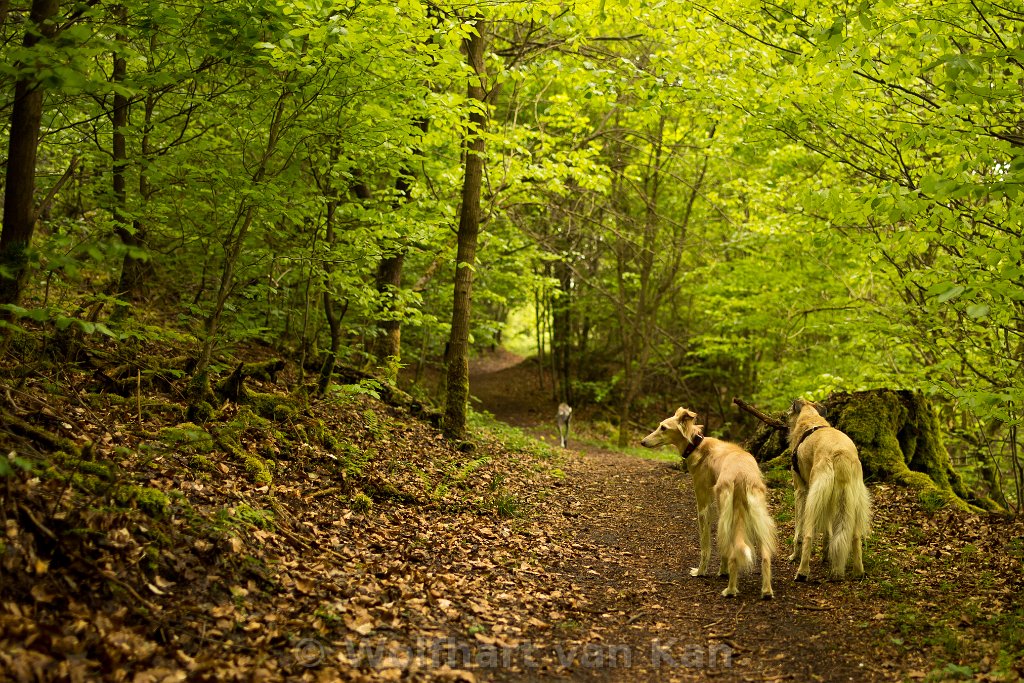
(564, 413)
(732, 475)
(831, 498)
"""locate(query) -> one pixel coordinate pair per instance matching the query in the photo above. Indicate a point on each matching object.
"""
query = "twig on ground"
(819, 608)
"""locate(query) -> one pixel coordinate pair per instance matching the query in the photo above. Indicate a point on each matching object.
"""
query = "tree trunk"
(388, 344)
(561, 332)
(453, 423)
(130, 279)
(20, 183)
(330, 312)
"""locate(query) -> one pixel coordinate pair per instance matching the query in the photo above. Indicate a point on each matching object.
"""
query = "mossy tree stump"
(898, 439)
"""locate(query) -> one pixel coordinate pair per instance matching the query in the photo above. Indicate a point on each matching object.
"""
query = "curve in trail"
(631, 523)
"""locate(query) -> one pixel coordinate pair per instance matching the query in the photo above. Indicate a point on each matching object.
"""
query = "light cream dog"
(729, 474)
(831, 498)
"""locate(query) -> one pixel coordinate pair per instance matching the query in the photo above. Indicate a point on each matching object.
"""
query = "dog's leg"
(766, 574)
(858, 556)
(799, 502)
(730, 535)
(733, 588)
(704, 523)
(723, 567)
(803, 572)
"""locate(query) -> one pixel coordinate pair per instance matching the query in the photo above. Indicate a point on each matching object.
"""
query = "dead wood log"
(763, 417)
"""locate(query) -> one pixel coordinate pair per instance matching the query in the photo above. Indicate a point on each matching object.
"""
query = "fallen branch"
(815, 608)
(38, 435)
(763, 417)
(325, 492)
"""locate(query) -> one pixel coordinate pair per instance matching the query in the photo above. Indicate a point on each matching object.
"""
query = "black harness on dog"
(795, 463)
(697, 440)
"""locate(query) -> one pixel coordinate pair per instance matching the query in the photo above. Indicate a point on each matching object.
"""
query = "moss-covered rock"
(361, 503)
(200, 463)
(898, 438)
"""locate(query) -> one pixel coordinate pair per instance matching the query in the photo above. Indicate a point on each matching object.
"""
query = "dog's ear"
(684, 415)
(685, 423)
(797, 405)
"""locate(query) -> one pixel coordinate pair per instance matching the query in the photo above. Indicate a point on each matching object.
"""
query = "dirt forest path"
(631, 526)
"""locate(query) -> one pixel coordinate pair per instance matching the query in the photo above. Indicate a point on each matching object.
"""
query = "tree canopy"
(694, 202)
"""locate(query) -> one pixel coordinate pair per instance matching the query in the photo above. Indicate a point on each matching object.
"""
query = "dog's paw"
(769, 595)
(794, 557)
(727, 593)
(801, 577)
(697, 571)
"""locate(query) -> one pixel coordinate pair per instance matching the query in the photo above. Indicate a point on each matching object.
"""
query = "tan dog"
(831, 498)
(731, 475)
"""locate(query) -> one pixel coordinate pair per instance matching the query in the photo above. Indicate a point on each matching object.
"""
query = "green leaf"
(951, 293)
(977, 310)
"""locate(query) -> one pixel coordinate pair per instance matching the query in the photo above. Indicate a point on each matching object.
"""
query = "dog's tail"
(744, 521)
(838, 503)
(851, 521)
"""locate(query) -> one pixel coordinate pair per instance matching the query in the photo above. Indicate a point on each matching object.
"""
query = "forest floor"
(939, 586)
(343, 539)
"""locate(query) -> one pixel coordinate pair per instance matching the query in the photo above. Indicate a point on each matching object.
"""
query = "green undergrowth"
(503, 494)
(490, 432)
(663, 454)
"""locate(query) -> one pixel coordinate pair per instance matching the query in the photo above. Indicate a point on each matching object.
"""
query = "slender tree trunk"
(387, 346)
(131, 265)
(561, 332)
(330, 312)
(538, 321)
(245, 215)
(20, 183)
(453, 423)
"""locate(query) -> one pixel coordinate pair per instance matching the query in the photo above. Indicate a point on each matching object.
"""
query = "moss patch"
(274, 407)
(188, 436)
(153, 502)
(898, 439)
(228, 437)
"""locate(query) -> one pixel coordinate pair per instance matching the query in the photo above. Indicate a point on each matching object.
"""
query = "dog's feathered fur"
(831, 498)
(731, 475)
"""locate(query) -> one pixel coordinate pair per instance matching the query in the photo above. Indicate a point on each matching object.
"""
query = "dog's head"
(677, 430)
(801, 407)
